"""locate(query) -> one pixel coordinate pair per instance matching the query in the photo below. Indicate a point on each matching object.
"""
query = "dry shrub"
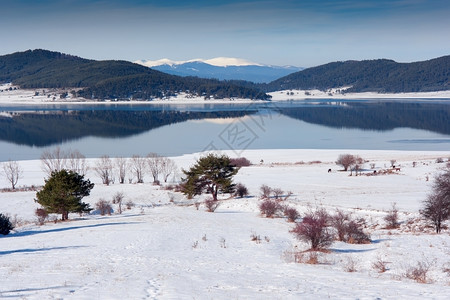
(41, 215)
(291, 213)
(255, 238)
(269, 208)
(350, 265)
(240, 162)
(355, 234)
(380, 265)
(241, 190)
(339, 222)
(266, 191)
(301, 257)
(419, 272)
(211, 204)
(129, 204)
(313, 230)
(104, 207)
(391, 218)
(277, 193)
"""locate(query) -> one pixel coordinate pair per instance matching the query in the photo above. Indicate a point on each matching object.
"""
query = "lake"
(128, 129)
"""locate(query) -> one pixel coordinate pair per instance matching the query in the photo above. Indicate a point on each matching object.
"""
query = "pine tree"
(62, 193)
(211, 174)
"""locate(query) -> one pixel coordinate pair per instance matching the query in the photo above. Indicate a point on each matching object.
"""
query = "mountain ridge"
(222, 68)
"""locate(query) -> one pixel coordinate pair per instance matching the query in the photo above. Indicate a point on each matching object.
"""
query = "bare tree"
(104, 169)
(437, 205)
(53, 160)
(168, 167)
(357, 165)
(138, 164)
(122, 165)
(118, 199)
(346, 160)
(76, 162)
(154, 165)
(13, 172)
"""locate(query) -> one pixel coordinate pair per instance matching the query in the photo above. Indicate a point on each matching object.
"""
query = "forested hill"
(384, 76)
(108, 79)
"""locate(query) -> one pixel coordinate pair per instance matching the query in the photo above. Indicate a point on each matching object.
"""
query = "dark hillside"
(108, 79)
(385, 76)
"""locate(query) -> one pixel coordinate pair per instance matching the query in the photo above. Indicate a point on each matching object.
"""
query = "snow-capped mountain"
(223, 68)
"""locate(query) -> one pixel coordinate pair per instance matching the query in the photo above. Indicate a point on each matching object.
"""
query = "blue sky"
(279, 32)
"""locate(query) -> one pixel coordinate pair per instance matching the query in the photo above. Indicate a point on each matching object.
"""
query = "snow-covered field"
(164, 248)
(52, 96)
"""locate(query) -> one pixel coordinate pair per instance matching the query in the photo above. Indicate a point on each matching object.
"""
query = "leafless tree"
(138, 165)
(155, 162)
(357, 165)
(53, 160)
(346, 160)
(122, 165)
(104, 169)
(13, 172)
(437, 205)
(76, 162)
(168, 167)
(118, 199)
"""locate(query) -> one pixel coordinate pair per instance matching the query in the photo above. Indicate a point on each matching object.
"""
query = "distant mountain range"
(222, 68)
(113, 79)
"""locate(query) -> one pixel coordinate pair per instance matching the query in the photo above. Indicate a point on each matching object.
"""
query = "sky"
(275, 32)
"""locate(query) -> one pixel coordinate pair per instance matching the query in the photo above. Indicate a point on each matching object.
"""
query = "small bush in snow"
(104, 207)
(5, 225)
(129, 204)
(269, 208)
(41, 215)
(391, 218)
(266, 191)
(241, 190)
(380, 265)
(339, 222)
(118, 199)
(211, 204)
(291, 213)
(350, 265)
(419, 272)
(313, 230)
(277, 193)
(355, 234)
(240, 162)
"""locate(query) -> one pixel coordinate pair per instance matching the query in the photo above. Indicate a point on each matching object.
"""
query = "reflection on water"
(174, 130)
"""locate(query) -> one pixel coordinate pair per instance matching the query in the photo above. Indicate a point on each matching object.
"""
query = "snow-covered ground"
(164, 248)
(52, 96)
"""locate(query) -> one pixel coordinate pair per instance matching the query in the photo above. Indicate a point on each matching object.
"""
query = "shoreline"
(27, 97)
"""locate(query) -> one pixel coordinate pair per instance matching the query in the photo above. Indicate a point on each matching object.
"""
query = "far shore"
(52, 96)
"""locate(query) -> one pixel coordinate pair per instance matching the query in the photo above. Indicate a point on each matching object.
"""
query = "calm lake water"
(125, 130)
